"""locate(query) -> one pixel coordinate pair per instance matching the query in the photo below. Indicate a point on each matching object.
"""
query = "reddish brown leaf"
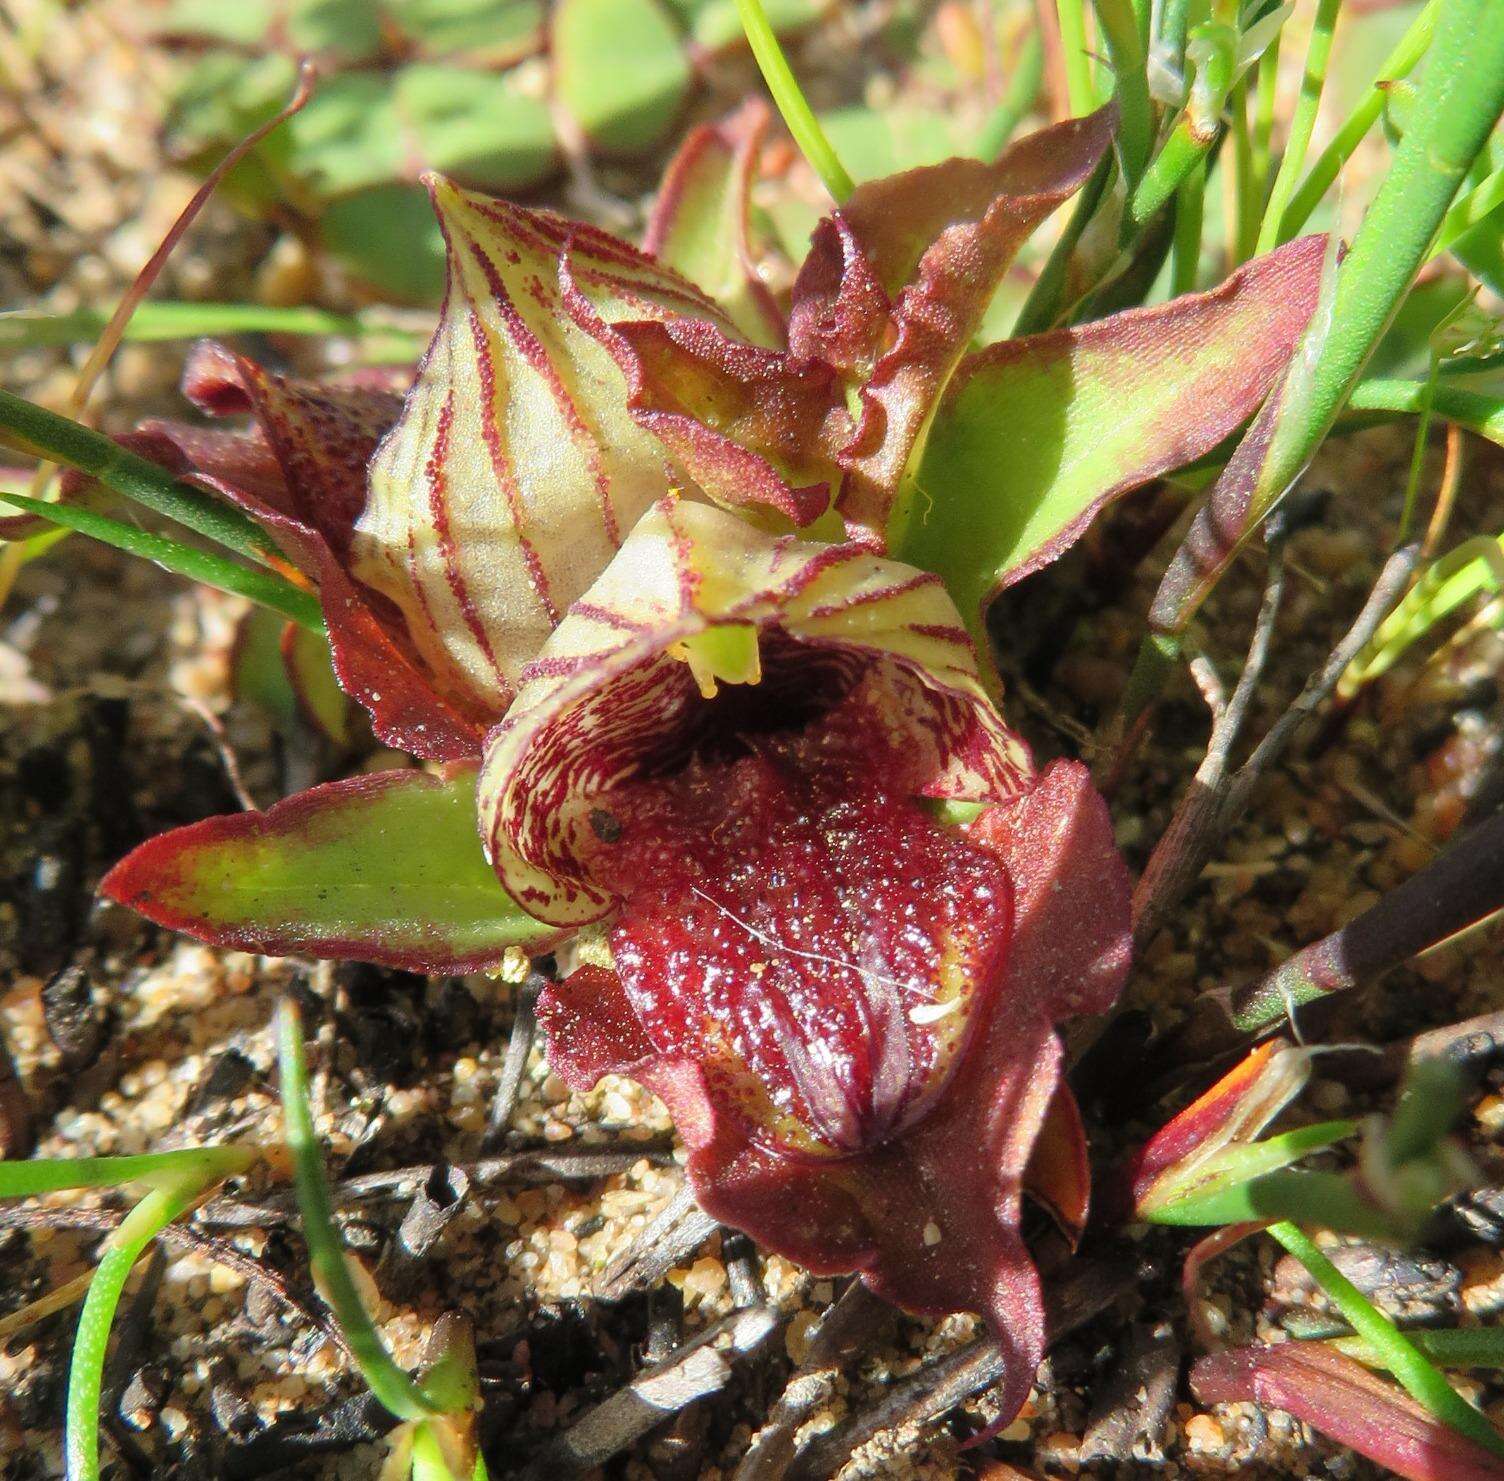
(748, 426)
(938, 241)
(1348, 1403)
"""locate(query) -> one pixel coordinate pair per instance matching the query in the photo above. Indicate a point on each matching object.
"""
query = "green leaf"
(715, 25)
(1036, 434)
(620, 71)
(349, 136)
(361, 229)
(385, 868)
(493, 31)
(485, 129)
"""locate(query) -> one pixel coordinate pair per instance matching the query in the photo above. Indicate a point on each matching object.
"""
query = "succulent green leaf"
(1036, 434)
(491, 31)
(620, 71)
(485, 129)
(360, 230)
(385, 868)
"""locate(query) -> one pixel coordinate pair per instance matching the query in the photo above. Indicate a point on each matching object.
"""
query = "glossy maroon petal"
(930, 1215)
(374, 656)
(1348, 1403)
(322, 435)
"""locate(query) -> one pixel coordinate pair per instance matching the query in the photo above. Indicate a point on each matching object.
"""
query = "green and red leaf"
(1035, 435)
(700, 224)
(933, 243)
(383, 868)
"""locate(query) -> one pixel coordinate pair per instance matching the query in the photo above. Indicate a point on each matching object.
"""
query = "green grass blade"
(33, 429)
(40, 1175)
(91, 1344)
(1399, 63)
(792, 104)
(1303, 121)
(206, 567)
(154, 323)
(391, 1385)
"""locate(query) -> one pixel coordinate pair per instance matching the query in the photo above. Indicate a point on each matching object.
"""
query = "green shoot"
(35, 431)
(1212, 53)
(1447, 1347)
(154, 323)
(1480, 202)
(1415, 1372)
(1400, 63)
(1017, 100)
(446, 1400)
(1474, 567)
(175, 1182)
(206, 567)
(1080, 90)
(1119, 25)
(1313, 81)
(791, 102)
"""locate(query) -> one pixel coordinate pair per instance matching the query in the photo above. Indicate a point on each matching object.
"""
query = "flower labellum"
(848, 1007)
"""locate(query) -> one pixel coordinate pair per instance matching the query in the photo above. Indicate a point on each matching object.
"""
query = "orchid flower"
(683, 597)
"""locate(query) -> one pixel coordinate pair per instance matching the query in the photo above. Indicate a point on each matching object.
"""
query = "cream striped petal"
(515, 470)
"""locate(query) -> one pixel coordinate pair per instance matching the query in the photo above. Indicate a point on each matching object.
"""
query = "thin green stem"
(1190, 209)
(1266, 95)
(1213, 53)
(206, 567)
(1044, 303)
(1302, 122)
(1119, 24)
(1080, 90)
(791, 102)
(393, 1387)
(1245, 213)
(1461, 97)
(1448, 1347)
(33, 429)
(1480, 202)
(1416, 1374)
(86, 1369)
(1399, 63)
(1018, 98)
(40, 1175)
(167, 320)
(1174, 26)
(1418, 455)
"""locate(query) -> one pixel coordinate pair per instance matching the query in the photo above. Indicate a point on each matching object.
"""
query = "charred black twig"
(701, 1367)
(945, 1382)
(678, 1231)
(1137, 1397)
(514, 1066)
(1217, 795)
(1460, 887)
(851, 1323)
